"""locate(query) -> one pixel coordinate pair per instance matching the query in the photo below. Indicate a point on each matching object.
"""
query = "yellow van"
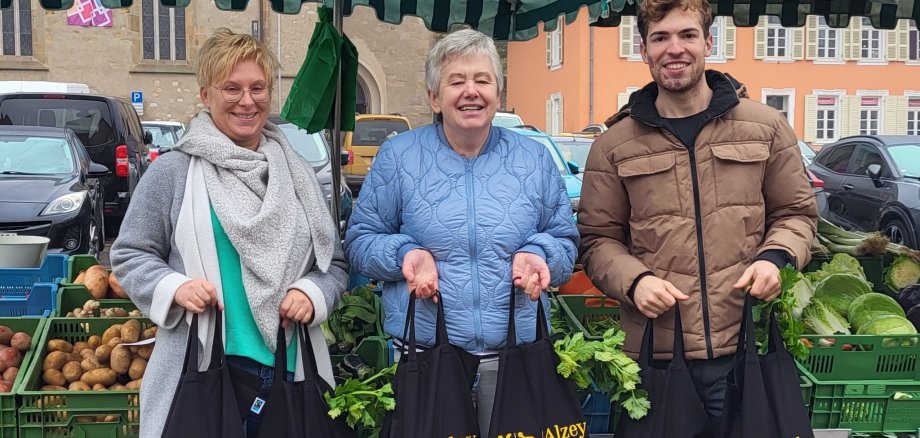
(371, 130)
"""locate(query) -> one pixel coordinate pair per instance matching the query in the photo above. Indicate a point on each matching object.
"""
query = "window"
(870, 110)
(16, 22)
(782, 99)
(871, 42)
(826, 118)
(630, 40)
(913, 116)
(554, 114)
(837, 159)
(828, 42)
(781, 103)
(778, 41)
(717, 30)
(864, 157)
(554, 45)
(164, 32)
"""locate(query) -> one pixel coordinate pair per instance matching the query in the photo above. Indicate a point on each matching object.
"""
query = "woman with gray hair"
(233, 221)
(457, 210)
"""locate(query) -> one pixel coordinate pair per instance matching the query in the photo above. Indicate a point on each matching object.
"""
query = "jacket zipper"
(471, 207)
(700, 252)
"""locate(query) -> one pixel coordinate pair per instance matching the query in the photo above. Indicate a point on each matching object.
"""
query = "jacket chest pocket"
(738, 173)
(652, 185)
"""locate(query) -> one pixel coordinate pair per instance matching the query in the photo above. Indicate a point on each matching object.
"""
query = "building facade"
(152, 48)
(830, 83)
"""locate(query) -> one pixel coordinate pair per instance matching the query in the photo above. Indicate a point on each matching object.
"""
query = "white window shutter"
(626, 33)
(560, 121)
(900, 124)
(812, 25)
(892, 40)
(852, 115)
(843, 117)
(729, 38)
(852, 40)
(760, 39)
(561, 26)
(622, 99)
(549, 115)
(903, 34)
(811, 118)
(798, 43)
(891, 116)
(549, 48)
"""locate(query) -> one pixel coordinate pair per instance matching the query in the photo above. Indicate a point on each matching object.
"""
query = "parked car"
(507, 120)
(50, 187)
(163, 134)
(315, 149)
(371, 130)
(107, 126)
(873, 183)
(568, 169)
(808, 154)
(574, 148)
(594, 129)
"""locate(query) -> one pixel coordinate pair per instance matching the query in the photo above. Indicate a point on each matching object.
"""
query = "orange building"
(830, 83)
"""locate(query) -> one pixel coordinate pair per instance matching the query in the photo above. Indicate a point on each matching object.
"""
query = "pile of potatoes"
(100, 283)
(91, 308)
(101, 362)
(12, 348)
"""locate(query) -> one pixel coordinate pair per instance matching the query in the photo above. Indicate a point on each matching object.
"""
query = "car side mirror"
(97, 170)
(573, 167)
(148, 138)
(874, 170)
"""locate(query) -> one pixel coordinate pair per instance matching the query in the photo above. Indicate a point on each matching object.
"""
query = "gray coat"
(146, 260)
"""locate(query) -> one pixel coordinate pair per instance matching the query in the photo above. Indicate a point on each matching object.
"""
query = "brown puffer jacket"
(695, 218)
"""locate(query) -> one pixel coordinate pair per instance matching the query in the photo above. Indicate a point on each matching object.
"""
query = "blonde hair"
(653, 11)
(225, 49)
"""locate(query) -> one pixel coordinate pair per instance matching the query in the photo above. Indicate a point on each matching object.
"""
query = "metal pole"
(337, 21)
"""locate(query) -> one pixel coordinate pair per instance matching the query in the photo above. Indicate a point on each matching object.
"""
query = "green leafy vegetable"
(353, 318)
(903, 271)
(838, 290)
(839, 264)
(822, 320)
(867, 307)
(785, 306)
(364, 402)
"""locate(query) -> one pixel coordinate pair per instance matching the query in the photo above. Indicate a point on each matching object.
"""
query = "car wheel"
(898, 232)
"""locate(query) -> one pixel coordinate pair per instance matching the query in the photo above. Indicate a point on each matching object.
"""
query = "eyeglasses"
(234, 94)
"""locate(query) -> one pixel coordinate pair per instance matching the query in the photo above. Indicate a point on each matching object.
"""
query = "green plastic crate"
(869, 357)
(375, 351)
(68, 413)
(874, 268)
(582, 309)
(70, 297)
(34, 327)
(75, 264)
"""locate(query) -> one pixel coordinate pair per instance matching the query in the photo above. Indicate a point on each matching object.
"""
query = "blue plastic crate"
(19, 281)
(39, 300)
(596, 408)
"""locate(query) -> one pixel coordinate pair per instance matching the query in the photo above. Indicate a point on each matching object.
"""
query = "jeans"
(251, 379)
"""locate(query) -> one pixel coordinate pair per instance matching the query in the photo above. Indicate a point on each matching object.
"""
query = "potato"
(131, 331)
(10, 374)
(10, 357)
(80, 346)
(150, 333)
(115, 288)
(80, 277)
(112, 332)
(97, 281)
(138, 366)
(52, 388)
(118, 387)
(110, 418)
(6, 386)
(21, 341)
(103, 353)
(134, 385)
(94, 342)
(73, 355)
(121, 360)
(103, 376)
(78, 386)
(144, 351)
(87, 353)
(99, 387)
(89, 364)
(72, 371)
(54, 377)
(6, 334)
(55, 360)
(60, 345)
(114, 342)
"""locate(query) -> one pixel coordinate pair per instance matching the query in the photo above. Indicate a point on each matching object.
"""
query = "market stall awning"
(520, 19)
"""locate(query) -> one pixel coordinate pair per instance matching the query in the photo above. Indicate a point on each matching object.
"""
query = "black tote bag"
(204, 405)
(531, 398)
(433, 388)
(298, 409)
(762, 396)
(676, 409)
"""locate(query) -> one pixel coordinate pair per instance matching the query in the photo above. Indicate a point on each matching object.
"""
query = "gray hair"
(466, 42)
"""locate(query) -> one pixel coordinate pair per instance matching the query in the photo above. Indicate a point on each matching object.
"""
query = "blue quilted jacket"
(473, 215)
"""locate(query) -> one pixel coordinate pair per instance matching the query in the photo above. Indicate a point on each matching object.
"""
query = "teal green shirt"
(243, 336)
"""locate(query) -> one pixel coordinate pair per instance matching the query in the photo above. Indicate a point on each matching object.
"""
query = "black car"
(107, 126)
(49, 187)
(873, 183)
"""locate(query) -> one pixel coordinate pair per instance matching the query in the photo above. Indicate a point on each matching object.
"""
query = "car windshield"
(560, 164)
(310, 146)
(907, 158)
(808, 154)
(374, 132)
(507, 120)
(32, 155)
(162, 136)
(576, 151)
(89, 119)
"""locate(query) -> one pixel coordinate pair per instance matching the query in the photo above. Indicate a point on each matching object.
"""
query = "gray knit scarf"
(272, 209)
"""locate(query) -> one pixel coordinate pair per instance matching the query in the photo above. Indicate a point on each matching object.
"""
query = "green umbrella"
(311, 100)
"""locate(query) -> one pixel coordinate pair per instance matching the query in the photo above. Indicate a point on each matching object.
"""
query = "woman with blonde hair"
(232, 221)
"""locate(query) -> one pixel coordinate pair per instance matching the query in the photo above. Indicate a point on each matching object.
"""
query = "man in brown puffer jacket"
(692, 197)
